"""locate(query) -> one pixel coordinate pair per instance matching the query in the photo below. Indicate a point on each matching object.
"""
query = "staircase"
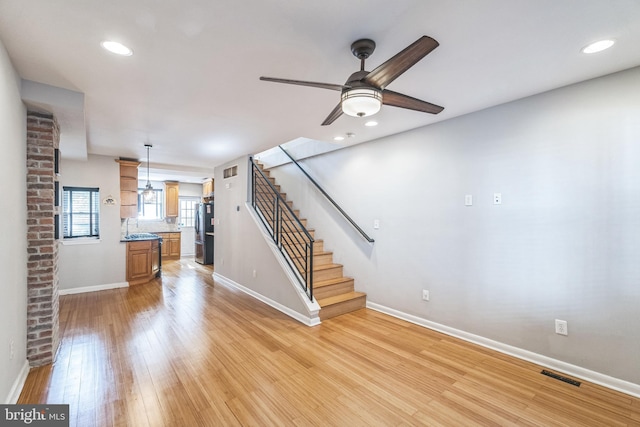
(334, 293)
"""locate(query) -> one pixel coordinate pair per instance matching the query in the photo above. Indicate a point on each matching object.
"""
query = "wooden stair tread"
(340, 298)
(300, 230)
(325, 266)
(329, 282)
(317, 253)
(314, 240)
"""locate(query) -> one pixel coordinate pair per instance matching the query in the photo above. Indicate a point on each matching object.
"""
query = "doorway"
(186, 220)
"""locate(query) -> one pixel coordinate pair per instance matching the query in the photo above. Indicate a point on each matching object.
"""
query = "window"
(80, 212)
(153, 210)
(188, 206)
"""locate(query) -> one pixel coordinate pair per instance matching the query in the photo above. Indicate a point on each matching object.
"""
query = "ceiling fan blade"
(396, 99)
(337, 112)
(305, 83)
(401, 62)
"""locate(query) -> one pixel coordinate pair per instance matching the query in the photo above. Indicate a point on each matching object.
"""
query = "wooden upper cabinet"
(207, 190)
(171, 199)
(128, 188)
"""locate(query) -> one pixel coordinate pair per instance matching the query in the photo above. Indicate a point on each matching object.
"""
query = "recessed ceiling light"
(371, 123)
(338, 138)
(117, 48)
(598, 46)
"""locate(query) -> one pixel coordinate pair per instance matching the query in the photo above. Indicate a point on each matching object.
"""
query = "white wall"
(102, 263)
(190, 190)
(564, 244)
(13, 229)
(239, 247)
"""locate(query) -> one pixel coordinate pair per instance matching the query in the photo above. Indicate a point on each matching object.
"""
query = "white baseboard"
(558, 365)
(312, 306)
(547, 362)
(306, 320)
(18, 384)
(93, 288)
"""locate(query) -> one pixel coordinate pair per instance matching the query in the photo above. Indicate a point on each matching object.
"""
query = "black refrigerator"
(204, 233)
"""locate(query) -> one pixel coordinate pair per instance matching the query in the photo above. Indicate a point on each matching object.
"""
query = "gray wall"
(564, 244)
(240, 247)
(13, 228)
(95, 264)
(190, 190)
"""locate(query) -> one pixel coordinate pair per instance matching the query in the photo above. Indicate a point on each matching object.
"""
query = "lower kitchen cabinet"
(170, 245)
(165, 245)
(143, 261)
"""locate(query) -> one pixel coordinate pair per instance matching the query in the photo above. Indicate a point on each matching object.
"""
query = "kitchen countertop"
(136, 237)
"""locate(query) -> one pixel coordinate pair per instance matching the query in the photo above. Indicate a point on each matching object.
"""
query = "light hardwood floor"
(185, 351)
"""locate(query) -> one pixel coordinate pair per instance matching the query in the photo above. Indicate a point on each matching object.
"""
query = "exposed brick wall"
(42, 281)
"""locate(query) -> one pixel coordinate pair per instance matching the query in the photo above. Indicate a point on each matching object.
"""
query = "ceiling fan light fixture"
(361, 102)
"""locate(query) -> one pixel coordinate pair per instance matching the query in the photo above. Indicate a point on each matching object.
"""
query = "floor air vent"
(561, 378)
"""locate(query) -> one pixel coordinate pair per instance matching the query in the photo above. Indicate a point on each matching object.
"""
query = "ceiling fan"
(365, 91)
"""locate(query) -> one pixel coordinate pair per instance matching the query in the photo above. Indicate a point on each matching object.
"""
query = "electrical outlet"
(425, 295)
(11, 349)
(561, 327)
(497, 198)
(255, 273)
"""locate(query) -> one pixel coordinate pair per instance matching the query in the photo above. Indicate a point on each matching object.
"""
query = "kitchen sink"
(141, 236)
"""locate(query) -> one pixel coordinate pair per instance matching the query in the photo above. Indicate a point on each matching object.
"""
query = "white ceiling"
(191, 88)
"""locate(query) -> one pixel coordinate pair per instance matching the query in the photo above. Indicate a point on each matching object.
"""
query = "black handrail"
(287, 231)
(344, 214)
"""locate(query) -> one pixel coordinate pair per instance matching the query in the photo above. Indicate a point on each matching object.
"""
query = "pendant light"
(149, 194)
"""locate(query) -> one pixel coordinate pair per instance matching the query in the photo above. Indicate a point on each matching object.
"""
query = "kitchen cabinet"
(143, 261)
(164, 253)
(207, 190)
(128, 188)
(174, 246)
(171, 199)
(170, 245)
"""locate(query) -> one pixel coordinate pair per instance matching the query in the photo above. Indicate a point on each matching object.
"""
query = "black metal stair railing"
(287, 231)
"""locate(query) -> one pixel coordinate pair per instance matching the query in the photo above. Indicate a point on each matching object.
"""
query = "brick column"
(42, 277)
